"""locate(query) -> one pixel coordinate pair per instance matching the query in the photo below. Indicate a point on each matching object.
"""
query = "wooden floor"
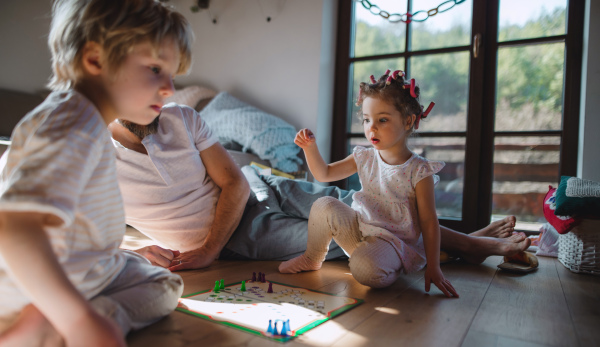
(550, 307)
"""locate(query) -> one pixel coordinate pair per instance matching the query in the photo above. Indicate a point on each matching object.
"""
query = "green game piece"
(222, 284)
(216, 290)
(243, 286)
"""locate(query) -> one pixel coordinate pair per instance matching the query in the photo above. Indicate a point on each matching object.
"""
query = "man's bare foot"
(483, 247)
(31, 329)
(499, 229)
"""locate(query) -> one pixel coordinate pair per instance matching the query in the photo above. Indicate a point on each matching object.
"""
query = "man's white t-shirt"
(167, 193)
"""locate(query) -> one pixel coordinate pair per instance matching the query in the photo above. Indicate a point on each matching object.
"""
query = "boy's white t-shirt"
(61, 161)
(183, 200)
(387, 204)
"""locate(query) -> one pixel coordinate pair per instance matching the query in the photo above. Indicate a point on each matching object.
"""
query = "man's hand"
(305, 139)
(196, 259)
(434, 274)
(157, 255)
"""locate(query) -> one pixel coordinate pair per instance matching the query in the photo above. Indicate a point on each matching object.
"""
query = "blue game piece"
(270, 329)
(275, 329)
(284, 328)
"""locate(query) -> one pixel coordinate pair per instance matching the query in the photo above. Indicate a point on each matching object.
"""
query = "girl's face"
(383, 124)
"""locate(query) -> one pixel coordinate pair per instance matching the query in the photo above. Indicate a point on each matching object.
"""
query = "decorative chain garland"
(408, 17)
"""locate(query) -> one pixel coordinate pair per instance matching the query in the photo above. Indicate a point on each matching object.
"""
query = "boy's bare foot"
(499, 229)
(31, 329)
(483, 247)
(298, 264)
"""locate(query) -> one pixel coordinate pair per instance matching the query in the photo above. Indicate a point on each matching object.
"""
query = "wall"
(589, 141)
(276, 66)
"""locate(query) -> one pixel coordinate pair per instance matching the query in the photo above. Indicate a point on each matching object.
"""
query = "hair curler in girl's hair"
(389, 80)
(373, 80)
(423, 114)
(412, 88)
(387, 72)
(395, 74)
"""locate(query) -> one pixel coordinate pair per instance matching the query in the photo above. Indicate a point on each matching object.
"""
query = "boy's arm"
(430, 228)
(32, 263)
(317, 166)
(235, 191)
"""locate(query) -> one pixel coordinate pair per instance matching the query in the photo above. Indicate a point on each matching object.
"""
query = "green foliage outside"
(529, 82)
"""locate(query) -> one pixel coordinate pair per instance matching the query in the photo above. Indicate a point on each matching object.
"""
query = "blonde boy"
(63, 278)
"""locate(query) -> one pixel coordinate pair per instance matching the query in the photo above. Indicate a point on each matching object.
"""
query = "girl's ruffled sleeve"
(428, 168)
(359, 154)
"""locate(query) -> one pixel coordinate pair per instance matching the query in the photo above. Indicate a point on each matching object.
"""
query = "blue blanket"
(267, 136)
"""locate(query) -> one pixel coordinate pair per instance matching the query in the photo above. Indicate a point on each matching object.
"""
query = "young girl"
(392, 226)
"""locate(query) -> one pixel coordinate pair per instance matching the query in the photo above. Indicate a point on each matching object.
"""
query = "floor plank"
(417, 318)
(529, 308)
(582, 293)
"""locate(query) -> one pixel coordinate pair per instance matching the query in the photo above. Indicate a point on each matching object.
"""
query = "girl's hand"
(305, 139)
(434, 274)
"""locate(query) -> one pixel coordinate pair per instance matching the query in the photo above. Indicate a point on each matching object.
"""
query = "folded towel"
(578, 197)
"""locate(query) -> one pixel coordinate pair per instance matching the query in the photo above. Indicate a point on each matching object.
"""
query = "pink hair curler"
(387, 72)
(373, 80)
(389, 80)
(429, 108)
(395, 74)
(412, 88)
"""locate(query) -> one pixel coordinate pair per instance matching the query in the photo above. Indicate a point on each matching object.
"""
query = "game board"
(287, 312)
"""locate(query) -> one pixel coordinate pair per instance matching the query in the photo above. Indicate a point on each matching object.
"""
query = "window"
(505, 77)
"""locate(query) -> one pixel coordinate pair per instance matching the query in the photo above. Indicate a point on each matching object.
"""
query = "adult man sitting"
(182, 189)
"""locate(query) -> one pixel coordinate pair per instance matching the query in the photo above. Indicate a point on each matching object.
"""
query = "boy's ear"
(410, 121)
(91, 59)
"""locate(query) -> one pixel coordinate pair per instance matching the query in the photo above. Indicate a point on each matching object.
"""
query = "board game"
(269, 309)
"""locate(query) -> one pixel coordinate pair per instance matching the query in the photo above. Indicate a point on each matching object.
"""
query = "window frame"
(480, 134)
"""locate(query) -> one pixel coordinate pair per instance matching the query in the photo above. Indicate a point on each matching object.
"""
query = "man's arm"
(235, 191)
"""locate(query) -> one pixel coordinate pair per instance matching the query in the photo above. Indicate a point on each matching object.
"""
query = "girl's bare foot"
(483, 247)
(298, 264)
(31, 329)
(498, 229)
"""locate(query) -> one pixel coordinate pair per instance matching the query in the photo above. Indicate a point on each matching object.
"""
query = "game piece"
(243, 289)
(263, 280)
(259, 276)
(275, 329)
(217, 286)
(284, 328)
(254, 277)
(270, 290)
(222, 286)
(270, 328)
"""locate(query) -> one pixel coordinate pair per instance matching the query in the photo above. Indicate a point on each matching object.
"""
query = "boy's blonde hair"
(117, 25)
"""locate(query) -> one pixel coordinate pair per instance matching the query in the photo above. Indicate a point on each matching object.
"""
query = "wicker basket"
(579, 249)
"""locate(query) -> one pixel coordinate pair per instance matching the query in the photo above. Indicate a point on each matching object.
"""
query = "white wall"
(275, 66)
(24, 54)
(589, 141)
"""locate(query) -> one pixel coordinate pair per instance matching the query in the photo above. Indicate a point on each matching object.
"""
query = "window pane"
(524, 167)
(447, 29)
(532, 18)
(360, 72)
(449, 191)
(530, 87)
(374, 35)
(443, 79)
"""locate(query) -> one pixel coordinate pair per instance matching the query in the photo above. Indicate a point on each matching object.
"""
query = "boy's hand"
(305, 139)
(434, 274)
(94, 330)
(157, 255)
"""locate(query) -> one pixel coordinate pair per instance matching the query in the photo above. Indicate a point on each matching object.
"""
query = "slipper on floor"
(446, 258)
(521, 262)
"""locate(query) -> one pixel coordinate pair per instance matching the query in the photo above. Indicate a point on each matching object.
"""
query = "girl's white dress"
(387, 204)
